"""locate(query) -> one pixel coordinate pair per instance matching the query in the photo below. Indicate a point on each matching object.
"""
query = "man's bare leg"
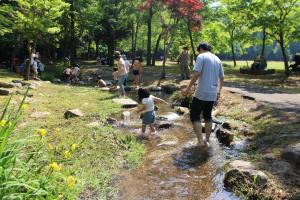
(198, 131)
(208, 129)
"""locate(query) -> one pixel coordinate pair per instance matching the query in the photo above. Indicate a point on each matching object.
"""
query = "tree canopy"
(92, 28)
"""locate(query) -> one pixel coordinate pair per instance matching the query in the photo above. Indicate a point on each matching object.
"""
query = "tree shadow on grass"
(277, 129)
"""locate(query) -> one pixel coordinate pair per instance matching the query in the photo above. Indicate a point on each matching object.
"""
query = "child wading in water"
(148, 113)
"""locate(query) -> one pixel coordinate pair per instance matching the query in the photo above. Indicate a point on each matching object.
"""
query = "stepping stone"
(18, 85)
(105, 89)
(19, 81)
(292, 154)
(56, 80)
(4, 92)
(170, 88)
(242, 173)
(126, 103)
(170, 116)
(6, 85)
(164, 125)
(19, 92)
(155, 89)
(167, 144)
(40, 115)
(182, 110)
(73, 113)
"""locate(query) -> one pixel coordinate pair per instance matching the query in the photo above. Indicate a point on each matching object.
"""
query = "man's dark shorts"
(198, 107)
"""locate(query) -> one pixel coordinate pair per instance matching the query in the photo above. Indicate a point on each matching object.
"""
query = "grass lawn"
(102, 150)
(232, 75)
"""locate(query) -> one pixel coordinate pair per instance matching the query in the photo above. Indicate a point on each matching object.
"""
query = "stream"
(173, 166)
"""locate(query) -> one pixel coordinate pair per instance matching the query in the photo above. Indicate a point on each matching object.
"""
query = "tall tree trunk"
(12, 58)
(97, 48)
(233, 53)
(72, 41)
(156, 49)
(264, 42)
(191, 38)
(149, 24)
(29, 52)
(134, 39)
(48, 49)
(89, 50)
(163, 72)
(111, 49)
(284, 55)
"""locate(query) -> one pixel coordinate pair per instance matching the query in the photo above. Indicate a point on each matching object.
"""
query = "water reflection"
(174, 168)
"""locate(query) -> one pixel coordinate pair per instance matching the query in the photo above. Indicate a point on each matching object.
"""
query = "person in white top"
(33, 55)
(209, 73)
(127, 63)
(147, 110)
(35, 68)
(122, 73)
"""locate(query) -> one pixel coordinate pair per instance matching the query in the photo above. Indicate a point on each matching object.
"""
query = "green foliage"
(28, 170)
(33, 18)
(5, 18)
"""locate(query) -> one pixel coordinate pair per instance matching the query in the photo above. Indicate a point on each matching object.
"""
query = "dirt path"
(273, 97)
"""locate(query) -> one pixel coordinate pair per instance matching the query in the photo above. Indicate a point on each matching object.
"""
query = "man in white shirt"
(209, 73)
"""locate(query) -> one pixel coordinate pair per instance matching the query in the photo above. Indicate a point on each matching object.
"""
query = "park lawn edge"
(102, 151)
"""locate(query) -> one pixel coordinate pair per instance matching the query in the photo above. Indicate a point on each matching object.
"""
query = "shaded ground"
(274, 97)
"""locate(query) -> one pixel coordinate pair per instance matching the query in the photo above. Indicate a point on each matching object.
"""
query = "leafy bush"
(182, 100)
(31, 168)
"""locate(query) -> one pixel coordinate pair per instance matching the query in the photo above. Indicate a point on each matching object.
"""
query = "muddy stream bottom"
(173, 166)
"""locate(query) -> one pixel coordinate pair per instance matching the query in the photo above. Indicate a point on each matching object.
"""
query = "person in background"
(148, 109)
(67, 74)
(35, 68)
(75, 74)
(137, 69)
(127, 63)
(33, 55)
(209, 73)
(41, 68)
(115, 75)
(122, 73)
(184, 61)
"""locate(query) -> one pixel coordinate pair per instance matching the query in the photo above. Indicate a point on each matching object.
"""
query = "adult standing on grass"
(122, 73)
(209, 73)
(137, 69)
(184, 61)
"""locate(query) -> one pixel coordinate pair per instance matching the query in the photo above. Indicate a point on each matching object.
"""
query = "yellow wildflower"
(67, 154)
(74, 147)
(71, 181)
(54, 166)
(56, 130)
(50, 146)
(3, 123)
(41, 132)
(24, 107)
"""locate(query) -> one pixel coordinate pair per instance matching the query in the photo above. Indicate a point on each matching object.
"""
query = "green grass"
(277, 65)
(102, 150)
(232, 75)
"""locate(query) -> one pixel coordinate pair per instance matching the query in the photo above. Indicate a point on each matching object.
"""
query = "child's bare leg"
(138, 80)
(143, 128)
(152, 128)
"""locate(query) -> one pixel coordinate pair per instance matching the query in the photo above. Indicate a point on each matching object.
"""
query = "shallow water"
(174, 168)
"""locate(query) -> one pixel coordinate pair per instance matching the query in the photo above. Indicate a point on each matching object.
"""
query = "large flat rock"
(292, 154)
(4, 92)
(126, 103)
